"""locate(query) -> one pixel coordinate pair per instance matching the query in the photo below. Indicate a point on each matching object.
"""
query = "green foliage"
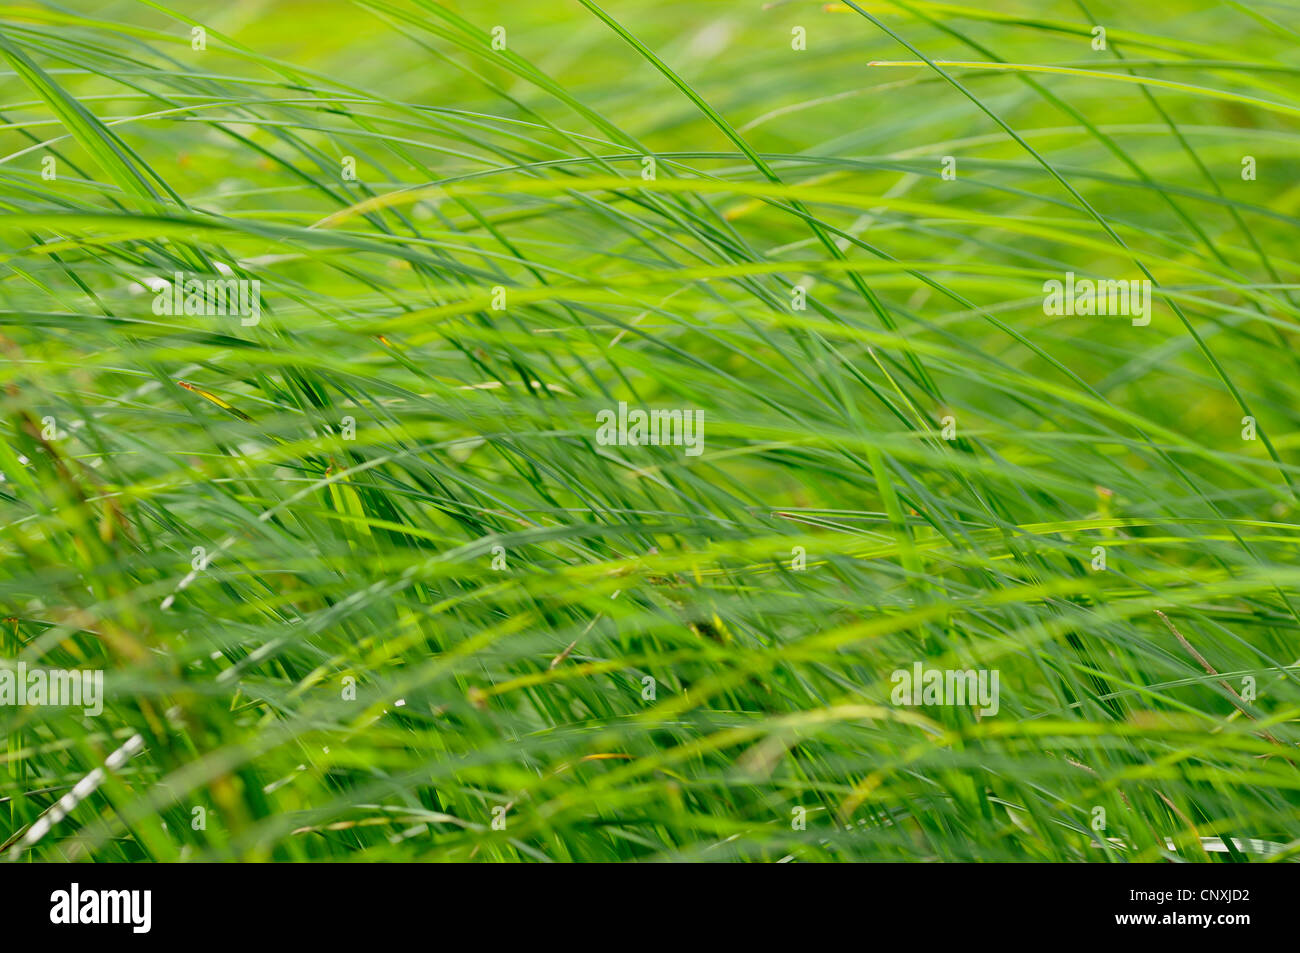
(391, 480)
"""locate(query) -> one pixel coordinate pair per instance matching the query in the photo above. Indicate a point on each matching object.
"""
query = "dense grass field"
(366, 580)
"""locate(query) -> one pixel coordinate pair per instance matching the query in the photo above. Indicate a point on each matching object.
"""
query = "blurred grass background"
(466, 610)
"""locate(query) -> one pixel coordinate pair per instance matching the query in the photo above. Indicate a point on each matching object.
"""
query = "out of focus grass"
(522, 693)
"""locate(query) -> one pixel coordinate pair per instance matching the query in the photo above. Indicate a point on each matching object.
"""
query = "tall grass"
(365, 586)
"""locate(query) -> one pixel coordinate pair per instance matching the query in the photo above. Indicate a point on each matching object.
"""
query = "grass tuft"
(363, 581)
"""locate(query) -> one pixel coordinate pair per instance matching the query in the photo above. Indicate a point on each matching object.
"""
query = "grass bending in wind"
(365, 586)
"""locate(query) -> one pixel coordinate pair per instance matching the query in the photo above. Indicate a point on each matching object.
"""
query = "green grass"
(501, 590)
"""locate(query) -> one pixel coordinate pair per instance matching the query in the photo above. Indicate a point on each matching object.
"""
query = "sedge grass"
(565, 651)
